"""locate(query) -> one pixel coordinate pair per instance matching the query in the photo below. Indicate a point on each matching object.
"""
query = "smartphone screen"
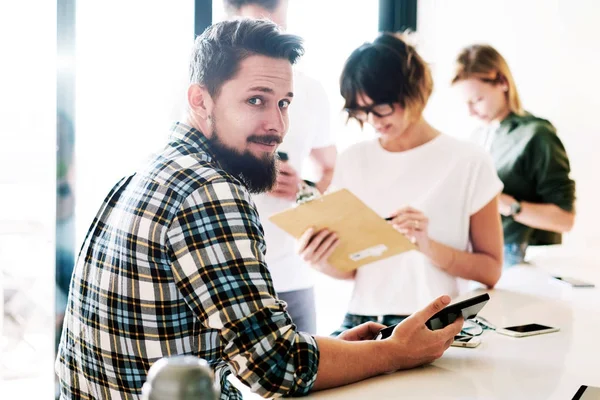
(462, 338)
(283, 156)
(465, 341)
(527, 328)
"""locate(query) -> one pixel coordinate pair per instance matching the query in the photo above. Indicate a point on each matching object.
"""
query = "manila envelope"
(364, 236)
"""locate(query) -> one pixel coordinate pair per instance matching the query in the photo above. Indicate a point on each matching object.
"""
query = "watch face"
(515, 208)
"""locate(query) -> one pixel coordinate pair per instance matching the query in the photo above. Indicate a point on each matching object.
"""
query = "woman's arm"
(547, 216)
(483, 265)
(548, 164)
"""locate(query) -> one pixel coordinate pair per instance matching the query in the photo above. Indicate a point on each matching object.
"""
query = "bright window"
(132, 59)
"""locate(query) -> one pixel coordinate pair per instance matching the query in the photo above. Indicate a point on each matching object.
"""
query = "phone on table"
(587, 393)
(576, 283)
(466, 341)
(467, 308)
(526, 330)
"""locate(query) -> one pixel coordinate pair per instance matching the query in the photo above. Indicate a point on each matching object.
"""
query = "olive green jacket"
(533, 164)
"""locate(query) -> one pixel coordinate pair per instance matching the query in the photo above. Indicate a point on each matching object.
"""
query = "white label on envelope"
(374, 251)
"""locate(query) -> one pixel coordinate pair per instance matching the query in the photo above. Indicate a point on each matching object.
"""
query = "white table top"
(549, 366)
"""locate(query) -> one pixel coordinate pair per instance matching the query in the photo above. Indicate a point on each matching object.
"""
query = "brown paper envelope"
(364, 236)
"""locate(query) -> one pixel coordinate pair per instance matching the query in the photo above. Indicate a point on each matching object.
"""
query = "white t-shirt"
(309, 129)
(449, 181)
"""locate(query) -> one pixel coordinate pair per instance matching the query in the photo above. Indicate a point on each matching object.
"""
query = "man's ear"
(200, 101)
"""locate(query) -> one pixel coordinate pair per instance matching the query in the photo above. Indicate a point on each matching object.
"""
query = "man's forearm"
(325, 181)
(342, 362)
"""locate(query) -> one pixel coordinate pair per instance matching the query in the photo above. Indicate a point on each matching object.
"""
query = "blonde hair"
(483, 62)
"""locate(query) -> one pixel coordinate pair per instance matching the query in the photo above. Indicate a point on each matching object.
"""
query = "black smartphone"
(574, 282)
(587, 393)
(283, 156)
(466, 341)
(467, 308)
(526, 330)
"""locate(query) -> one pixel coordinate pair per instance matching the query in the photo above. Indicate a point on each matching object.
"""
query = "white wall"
(553, 50)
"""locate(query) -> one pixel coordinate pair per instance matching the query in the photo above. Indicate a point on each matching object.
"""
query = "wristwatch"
(515, 208)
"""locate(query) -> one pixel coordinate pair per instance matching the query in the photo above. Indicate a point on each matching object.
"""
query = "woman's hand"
(505, 202)
(413, 224)
(316, 247)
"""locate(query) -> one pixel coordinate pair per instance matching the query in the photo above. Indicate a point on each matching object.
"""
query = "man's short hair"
(235, 5)
(221, 48)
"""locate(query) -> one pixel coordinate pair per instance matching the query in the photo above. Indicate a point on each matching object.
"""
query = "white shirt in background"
(449, 181)
(309, 129)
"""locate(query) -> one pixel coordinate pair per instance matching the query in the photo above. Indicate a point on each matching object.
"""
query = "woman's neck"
(417, 134)
(501, 116)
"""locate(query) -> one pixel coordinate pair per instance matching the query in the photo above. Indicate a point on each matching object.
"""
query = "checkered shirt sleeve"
(172, 264)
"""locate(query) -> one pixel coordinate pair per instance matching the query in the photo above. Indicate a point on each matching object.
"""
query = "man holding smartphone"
(173, 263)
(308, 138)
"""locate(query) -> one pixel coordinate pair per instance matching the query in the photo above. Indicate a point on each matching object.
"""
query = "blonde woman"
(441, 192)
(537, 203)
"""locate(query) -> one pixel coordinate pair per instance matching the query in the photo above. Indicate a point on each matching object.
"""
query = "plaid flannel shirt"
(174, 264)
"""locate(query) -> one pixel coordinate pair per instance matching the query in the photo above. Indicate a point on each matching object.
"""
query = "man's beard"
(257, 174)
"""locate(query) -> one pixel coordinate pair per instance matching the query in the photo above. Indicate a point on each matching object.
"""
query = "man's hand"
(366, 331)
(354, 357)
(286, 186)
(414, 344)
(504, 203)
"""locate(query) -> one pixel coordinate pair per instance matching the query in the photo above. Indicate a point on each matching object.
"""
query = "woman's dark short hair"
(388, 70)
(221, 48)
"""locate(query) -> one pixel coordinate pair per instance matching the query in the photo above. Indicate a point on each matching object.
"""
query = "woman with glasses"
(538, 201)
(438, 191)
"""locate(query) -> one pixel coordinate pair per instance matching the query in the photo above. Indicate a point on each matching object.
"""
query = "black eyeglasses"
(379, 110)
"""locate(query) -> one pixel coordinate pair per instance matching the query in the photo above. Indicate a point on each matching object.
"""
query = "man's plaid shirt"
(174, 264)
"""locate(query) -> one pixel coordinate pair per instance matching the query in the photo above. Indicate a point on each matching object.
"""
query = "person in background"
(538, 201)
(309, 138)
(440, 192)
(173, 263)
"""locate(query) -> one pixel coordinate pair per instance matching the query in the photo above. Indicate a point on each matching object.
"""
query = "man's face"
(250, 119)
